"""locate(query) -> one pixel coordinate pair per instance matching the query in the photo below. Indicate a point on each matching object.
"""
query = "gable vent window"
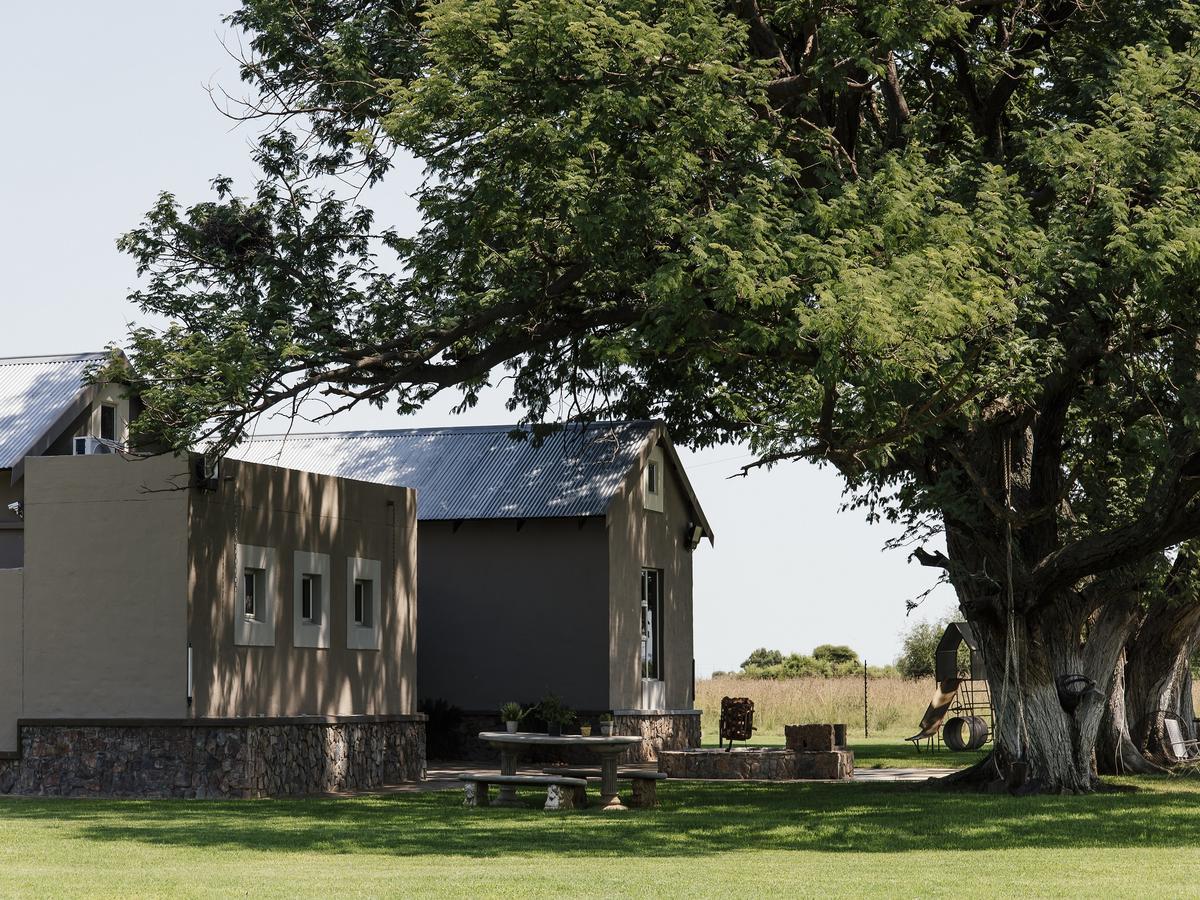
(653, 481)
(108, 423)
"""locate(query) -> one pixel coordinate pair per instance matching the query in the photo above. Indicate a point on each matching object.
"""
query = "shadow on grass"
(695, 819)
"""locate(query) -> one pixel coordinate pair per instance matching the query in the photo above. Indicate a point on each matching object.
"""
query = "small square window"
(310, 596)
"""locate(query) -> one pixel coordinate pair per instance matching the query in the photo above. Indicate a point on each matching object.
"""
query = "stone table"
(512, 744)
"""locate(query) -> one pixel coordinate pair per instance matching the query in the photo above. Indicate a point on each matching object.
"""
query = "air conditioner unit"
(87, 446)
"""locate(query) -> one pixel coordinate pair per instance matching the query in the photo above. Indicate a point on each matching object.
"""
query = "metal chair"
(737, 721)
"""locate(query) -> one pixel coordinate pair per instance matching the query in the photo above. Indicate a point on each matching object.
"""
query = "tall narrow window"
(362, 602)
(652, 624)
(251, 589)
(652, 481)
(309, 597)
(108, 423)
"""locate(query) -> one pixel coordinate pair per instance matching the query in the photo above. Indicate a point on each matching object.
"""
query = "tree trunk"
(1156, 670)
(1116, 753)
(1042, 745)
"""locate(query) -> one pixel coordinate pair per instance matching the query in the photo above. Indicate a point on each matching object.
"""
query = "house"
(559, 566)
(166, 630)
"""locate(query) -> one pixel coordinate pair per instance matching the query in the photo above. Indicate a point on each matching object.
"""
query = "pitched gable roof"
(39, 395)
(476, 472)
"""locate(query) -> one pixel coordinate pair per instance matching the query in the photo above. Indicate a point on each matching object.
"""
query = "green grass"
(709, 839)
(887, 752)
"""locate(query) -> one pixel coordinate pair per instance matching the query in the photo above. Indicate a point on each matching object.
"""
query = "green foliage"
(763, 657)
(826, 661)
(511, 712)
(835, 655)
(553, 711)
(918, 651)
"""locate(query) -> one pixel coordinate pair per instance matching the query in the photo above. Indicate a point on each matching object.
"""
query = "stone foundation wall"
(760, 765)
(216, 758)
(659, 731)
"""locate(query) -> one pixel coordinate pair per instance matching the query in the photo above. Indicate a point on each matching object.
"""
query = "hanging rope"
(1012, 666)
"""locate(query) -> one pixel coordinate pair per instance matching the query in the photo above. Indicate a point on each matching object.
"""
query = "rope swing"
(1012, 665)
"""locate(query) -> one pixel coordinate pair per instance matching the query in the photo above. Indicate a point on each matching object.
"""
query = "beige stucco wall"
(105, 587)
(11, 588)
(288, 511)
(641, 538)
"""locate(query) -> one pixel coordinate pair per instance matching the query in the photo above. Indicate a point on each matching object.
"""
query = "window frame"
(652, 609)
(110, 408)
(257, 630)
(652, 497)
(316, 633)
(364, 635)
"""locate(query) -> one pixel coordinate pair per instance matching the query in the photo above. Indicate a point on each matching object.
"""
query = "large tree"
(947, 247)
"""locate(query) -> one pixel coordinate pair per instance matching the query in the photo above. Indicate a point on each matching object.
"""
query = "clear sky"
(105, 105)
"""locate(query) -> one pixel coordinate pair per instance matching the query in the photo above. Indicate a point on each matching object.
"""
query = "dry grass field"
(895, 705)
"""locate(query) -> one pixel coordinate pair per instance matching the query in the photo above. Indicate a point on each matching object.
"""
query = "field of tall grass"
(895, 705)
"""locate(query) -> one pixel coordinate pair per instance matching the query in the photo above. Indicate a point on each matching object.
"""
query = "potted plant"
(555, 713)
(511, 714)
(606, 724)
(585, 729)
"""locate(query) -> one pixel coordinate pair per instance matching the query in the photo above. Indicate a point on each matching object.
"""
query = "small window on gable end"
(363, 602)
(652, 481)
(108, 423)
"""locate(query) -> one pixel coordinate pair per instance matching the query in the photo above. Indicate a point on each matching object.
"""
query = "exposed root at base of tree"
(990, 776)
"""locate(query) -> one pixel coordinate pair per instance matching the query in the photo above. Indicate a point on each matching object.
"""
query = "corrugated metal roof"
(472, 472)
(35, 393)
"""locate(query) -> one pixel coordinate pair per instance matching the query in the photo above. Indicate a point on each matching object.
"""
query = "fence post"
(866, 728)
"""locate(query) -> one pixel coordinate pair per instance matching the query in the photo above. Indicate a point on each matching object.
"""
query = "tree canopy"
(949, 248)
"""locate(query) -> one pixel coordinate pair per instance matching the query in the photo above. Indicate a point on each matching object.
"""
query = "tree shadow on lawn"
(695, 819)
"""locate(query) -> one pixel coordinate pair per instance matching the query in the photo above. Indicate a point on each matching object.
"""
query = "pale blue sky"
(105, 106)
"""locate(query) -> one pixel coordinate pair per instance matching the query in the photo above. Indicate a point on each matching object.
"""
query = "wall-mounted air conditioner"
(87, 446)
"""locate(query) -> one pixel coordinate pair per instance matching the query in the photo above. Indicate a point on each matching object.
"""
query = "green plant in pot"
(555, 713)
(606, 724)
(511, 715)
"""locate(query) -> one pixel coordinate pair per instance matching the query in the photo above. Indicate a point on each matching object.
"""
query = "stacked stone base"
(814, 752)
(215, 758)
(749, 764)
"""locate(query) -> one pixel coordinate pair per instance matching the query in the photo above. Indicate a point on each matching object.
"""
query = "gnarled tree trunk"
(1043, 744)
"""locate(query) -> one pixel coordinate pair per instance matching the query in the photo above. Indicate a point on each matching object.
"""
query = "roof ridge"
(432, 429)
(51, 358)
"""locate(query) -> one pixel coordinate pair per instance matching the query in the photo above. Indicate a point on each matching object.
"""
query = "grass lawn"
(888, 752)
(712, 839)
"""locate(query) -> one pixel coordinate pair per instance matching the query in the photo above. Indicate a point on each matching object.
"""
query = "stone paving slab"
(443, 776)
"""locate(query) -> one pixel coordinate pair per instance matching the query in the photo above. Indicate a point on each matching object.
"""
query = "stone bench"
(562, 792)
(645, 784)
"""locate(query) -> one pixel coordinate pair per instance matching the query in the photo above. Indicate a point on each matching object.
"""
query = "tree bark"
(1156, 671)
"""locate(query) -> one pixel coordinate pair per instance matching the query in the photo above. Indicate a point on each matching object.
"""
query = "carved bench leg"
(645, 793)
(560, 797)
(476, 794)
(580, 797)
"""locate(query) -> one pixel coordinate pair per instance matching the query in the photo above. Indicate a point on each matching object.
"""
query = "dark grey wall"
(507, 614)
